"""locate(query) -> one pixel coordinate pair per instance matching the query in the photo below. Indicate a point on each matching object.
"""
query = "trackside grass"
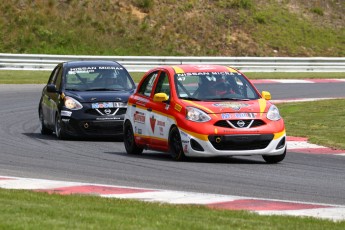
(33, 210)
(41, 77)
(322, 122)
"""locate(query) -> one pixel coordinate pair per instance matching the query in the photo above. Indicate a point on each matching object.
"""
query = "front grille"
(234, 123)
(106, 112)
(241, 142)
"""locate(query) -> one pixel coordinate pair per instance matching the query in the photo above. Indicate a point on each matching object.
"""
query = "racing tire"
(274, 159)
(59, 129)
(175, 145)
(44, 129)
(129, 140)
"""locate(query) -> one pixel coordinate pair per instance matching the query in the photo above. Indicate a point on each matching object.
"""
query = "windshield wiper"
(190, 98)
(103, 89)
(232, 99)
(72, 89)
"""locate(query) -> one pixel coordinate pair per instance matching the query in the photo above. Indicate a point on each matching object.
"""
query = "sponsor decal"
(141, 101)
(226, 115)
(102, 105)
(66, 113)
(107, 118)
(139, 117)
(161, 123)
(167, 106)
(185, 149)
(161, 131)
(245, 115)
(110, 67)
(178, 107)
(191, 74)
(106, 105)
(234, 106)
(91, 69)
(153, 123)
(140, 131)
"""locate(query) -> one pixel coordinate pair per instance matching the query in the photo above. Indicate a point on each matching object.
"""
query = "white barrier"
(144, 63)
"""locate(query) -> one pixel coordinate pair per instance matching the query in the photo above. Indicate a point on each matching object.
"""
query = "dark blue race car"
(85, 99)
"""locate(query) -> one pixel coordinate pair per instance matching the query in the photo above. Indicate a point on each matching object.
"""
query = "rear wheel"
(129, 140)
(274, 159)
(44, 129)
(175, 145)
(59, 129)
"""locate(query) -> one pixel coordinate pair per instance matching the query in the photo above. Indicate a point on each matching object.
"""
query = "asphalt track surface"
(24, 152)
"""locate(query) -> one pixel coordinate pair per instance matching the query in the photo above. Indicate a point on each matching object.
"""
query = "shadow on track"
(161, 156)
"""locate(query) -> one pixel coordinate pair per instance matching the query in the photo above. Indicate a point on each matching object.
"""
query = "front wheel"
(274, 159)
(59, 129)
(129, 141)
(175, 145)
(44, 129)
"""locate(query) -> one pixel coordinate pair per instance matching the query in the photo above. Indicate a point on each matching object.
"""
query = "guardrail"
(144, 63)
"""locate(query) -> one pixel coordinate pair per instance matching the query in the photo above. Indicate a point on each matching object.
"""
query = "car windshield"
(98, 78)
(214, 86)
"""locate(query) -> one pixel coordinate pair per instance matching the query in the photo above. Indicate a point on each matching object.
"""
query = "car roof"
(90, 63)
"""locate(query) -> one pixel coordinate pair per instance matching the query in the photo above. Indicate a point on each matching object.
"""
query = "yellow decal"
(178, 107)
(262, 103)
(231, 70)
(278, 135)
(177, 69)
(215, 130)
(197, 135)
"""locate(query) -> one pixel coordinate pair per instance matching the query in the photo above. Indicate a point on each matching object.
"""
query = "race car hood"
(216, 107)
(100, 96)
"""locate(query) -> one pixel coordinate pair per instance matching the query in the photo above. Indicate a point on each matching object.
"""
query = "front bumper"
(234, 145)
(77, 125)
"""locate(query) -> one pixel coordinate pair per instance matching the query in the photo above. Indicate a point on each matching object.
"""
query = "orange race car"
(203, 111)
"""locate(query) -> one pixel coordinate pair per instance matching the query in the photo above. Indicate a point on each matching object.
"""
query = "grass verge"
(41, 77)
(322, 122)
(32, 210)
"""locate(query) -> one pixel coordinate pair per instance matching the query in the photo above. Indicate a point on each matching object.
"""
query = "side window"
(147, 86)
(58, 79)
(163, 84)
(53, 75)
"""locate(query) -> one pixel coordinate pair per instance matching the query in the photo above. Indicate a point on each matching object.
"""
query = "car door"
(51, 99)
(160, 114)
(140, 111)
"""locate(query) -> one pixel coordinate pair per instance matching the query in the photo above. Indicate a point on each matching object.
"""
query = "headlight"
(273, 113)
(194, 114)
(71, 103)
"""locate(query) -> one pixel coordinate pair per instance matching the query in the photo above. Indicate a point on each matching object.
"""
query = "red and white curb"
(215, 201)
(301, 144)
(296, 81)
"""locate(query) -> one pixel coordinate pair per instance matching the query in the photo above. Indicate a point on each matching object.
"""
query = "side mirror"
(51, 88)
(266, 95)
(159, 97)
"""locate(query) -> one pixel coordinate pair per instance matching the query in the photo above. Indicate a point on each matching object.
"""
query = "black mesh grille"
(240, 142)
(100, 127)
